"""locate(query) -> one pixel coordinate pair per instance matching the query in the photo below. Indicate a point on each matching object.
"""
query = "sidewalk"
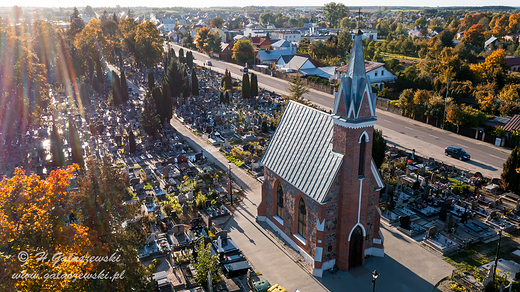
(405, 267)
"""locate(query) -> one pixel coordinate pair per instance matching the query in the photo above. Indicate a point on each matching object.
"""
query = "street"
(428, 141)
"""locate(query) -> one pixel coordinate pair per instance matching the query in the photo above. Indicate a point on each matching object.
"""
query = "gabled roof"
(513, 124)
(285, 58)
(272, 54)
(282, 44)
(300, 151)
(369, 66)
(297, 62)
(490, 41)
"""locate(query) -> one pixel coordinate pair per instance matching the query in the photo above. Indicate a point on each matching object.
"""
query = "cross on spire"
(358, 22)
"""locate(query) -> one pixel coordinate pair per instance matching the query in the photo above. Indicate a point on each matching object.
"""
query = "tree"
(33, 217)
(204, 263)
(148, 44)
(187, 40)
(243, 52)
(246, 88)
(226, 97)
(335, 12)
(75, 144)
(158, 98)
(207, 41)
(189, 59)
(406, 101)
(150, 119)
(124, 87)
(151, 81)
(221, 98)
(378, 148)
(116, 90)
(181, 55)
(254, 85)
(167, 101)
(475, 36)
(76, 24)
(175, 78)
(265, 129)
(217, 22)
(128, 29)
(510, 177)
(266, 17)
(227, 80)
(194, 83)
(298, 89)
(131, 141)
(58, 157)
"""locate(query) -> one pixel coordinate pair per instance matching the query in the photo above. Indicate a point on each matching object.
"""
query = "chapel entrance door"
(355, 257)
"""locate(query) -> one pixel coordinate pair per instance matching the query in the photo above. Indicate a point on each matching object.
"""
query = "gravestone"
(492, 215)
(474, 203)
(405, 222)
(184, 210)
(190, 195)
(450, 222)
(444, 210)
(207, 203)
(222, 234)
(464, 219)
(434, 178)
(181, 198)
(432, 231)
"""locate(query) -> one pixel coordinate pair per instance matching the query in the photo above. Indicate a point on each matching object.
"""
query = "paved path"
(405, 267)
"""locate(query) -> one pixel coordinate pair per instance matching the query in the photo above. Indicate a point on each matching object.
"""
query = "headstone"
(190, 195)
(474, 203)
(434, 177)
(444, 210)
(432, 231)
(222, 234)
(181, 198)
(450, 222)
(184, 210)
(517, 206)
(207, 203)
(405, 221)
(489, 276)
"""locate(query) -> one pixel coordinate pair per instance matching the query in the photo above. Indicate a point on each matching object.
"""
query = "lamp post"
(446, 99)
(230, 189)
(502, 227)
(374, 277)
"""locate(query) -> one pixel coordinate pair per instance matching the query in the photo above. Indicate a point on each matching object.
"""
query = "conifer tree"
(167, 101)
(131, 141)
(124, 87)
(187, 89)
(510, 177)
(221, 98)
(75, 144)
(58, 157)
(116, 89)
(151, 81)
(246, 88)
(194, 83)
(150, 120)
(226, 99)
(254, 85)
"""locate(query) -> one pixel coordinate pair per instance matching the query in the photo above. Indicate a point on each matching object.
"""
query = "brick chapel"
(321, 185)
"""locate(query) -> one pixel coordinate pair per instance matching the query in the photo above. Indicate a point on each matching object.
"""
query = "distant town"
(265, 149)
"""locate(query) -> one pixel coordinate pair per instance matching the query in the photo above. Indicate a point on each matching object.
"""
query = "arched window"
(302, 219)
(279, 201)
(362, 146)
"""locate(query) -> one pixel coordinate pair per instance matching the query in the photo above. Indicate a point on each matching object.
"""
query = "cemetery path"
(428, 141)
(405, 267)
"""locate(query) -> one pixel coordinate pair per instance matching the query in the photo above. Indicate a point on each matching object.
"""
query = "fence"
(288, 76)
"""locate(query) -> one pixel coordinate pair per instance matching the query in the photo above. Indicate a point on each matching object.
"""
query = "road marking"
(495, 156)
(462, 145)
(386, 120)
(434, 136)
(409, 128)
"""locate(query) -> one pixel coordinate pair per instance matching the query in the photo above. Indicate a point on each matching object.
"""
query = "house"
(489, 41)
(460, 35)
(268, 57)
(284, 45)
(261, 43)
(294, 63)
(378, 73)
(321, 187)
(367, 34)
(513, 63)
(168, 24)
(323, 72)
(416, 32)
(288, 35)
(226, 51)
(511, 37)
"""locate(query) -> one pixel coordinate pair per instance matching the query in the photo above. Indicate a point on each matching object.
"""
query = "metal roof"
(300, 151)
(513, 124)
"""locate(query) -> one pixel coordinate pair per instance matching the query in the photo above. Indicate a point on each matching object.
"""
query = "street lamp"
(502, 227)
(230, 189)
(446, 99)
(374, 277)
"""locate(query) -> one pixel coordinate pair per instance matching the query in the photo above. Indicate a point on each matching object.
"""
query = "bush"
(200, 199)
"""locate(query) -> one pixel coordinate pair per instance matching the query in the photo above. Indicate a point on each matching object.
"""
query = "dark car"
(457, 152)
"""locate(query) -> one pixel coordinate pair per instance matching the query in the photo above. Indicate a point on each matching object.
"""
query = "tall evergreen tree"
(120, 60)
(181, 55)
(228, 81)
(246, 88)
(189, 59)
(167, 101)
(226, 97)
(510, 177)
(221, 98)
(131, 141)
(158, 98)
(151, 80)
(187, 87)
(175, 78)
(124, 87)
(75, 144)
(254, 85)
(150, 120)
(378, 148)
(58, 157)
(194, 83)
(116, 89)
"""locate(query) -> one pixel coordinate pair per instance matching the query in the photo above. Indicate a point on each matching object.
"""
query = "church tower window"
(362, 147)
(279, 201)
(302, 219)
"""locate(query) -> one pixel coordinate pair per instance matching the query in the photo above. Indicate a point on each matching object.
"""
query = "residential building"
(261, 43)
(378, 73)
(321, 187)
(169, 24)
(268, 57)
(513, 63)
(284, 45)
(367, 34)
(288, 35)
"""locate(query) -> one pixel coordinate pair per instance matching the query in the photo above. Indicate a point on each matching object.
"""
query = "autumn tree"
(128, 29)
(194, 83)
(148, 44)
(246, 88)
(217, 22)
(243, 52)
(493, 69)
(406, 101)
(34, 217)
(475, 36)
(208, 41)
(334, 12)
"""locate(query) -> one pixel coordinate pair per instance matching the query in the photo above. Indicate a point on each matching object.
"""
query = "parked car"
(243, 69)
(456, 152)
(209, 63)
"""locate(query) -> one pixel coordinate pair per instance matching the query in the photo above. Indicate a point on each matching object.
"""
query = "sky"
(212, 3)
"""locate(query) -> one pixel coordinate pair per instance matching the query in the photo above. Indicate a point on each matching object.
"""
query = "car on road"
(456, 152)
(243, 69)
(209, 63)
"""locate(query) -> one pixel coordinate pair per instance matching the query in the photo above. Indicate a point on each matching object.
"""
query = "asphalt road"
(428, 141)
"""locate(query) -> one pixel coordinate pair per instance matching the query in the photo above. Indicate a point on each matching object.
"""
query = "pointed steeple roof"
(355, 85)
